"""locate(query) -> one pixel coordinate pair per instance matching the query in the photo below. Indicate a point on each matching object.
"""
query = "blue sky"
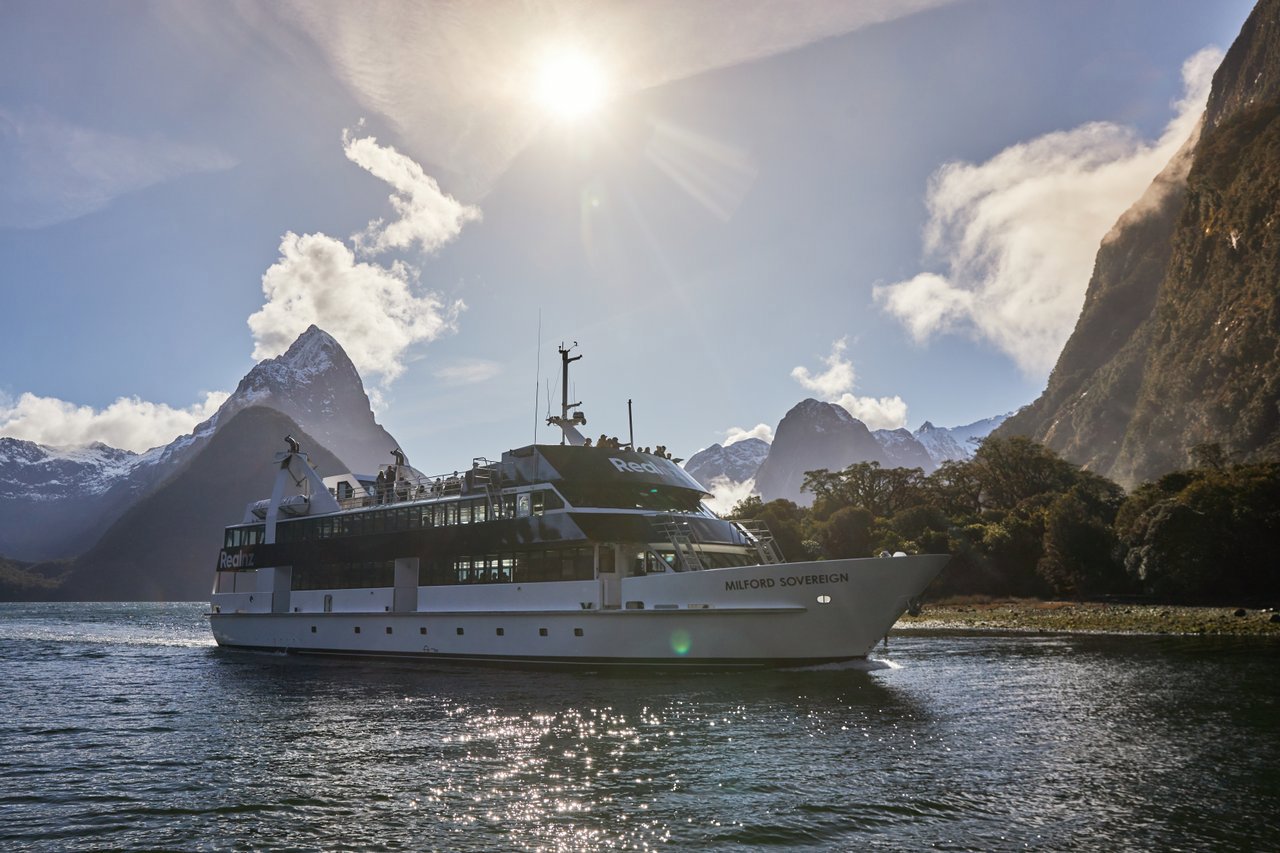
(890, 205)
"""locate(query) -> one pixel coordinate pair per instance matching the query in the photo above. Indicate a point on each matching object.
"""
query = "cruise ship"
(553, 555)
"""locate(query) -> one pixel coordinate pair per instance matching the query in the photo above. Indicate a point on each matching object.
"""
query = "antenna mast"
(568, 433)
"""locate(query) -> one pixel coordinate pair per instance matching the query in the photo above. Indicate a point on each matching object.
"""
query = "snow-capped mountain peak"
(737, 462)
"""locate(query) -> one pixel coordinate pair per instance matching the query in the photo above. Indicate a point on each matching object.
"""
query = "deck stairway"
(757, 531)
(680, 534)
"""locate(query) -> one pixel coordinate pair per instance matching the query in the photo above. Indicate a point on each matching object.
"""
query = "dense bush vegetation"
(1019, 520)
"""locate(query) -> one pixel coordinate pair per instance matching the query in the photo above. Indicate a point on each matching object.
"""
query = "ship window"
(508, 506)
(606, 559)
(479, 512)
(522, 505)
(542, 632)
(464, 513)
(577, 632)
(422, 631)
(501, 631)
(357, 629)
(313, 629)
(460, 632)
(452, 510)
(388, 629)
(538, 502)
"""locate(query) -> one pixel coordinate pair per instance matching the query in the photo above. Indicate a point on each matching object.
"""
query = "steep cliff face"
(1178, 343)
(813, 435)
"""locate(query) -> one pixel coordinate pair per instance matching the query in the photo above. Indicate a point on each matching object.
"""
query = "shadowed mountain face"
(165, 546)
(1178, 343)
(813, 435)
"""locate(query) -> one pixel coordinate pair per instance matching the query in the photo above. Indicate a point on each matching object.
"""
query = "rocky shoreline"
(1029, 615)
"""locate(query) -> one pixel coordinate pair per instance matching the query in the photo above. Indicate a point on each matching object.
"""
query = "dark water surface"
(122, 726)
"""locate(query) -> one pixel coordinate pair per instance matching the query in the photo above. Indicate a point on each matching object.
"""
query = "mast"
(568, 425)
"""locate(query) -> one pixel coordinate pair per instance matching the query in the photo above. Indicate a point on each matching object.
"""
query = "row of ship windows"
(391, 519)
(499, 632)
(562, 564)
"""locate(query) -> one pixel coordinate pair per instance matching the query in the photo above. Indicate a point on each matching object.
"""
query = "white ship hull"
(786, 614)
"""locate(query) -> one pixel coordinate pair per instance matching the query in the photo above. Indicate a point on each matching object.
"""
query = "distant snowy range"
(817, 435)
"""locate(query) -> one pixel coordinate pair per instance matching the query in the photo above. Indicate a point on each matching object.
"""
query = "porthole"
(459, 632)
(357, 629)
(824, 599)
(577, 632)
(422, 631)
(542, 632)
(388, 629)
(313, 629)
(501, 631)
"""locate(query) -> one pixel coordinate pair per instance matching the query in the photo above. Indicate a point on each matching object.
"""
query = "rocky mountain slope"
(736, 463)
(54, 502)
(945, 443)
(903, 450)
(813, 435)
(163, 548)
(316, 385)
(1178, 343)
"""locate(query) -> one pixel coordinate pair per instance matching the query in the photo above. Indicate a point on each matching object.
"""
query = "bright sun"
(570, 85)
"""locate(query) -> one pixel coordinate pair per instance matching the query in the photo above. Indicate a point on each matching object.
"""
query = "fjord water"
(123, 727)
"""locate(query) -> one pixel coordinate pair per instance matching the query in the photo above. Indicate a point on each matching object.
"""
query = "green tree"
(847, 533)
(1079, 550)
(1012, 470)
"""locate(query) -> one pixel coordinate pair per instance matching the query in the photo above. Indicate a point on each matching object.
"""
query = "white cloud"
(726, 493)
(428, 216)
(836, 384)
(1016, 236)
(764, 432)
(128, 423)
(832, 382)
(875, 412)
(376, 312)
(468, 371)
(370, 309)
(56, 171)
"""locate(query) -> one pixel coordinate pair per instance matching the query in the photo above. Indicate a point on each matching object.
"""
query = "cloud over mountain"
(836, 384)
(128, 423)
(1014, 238)
(376, 311)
